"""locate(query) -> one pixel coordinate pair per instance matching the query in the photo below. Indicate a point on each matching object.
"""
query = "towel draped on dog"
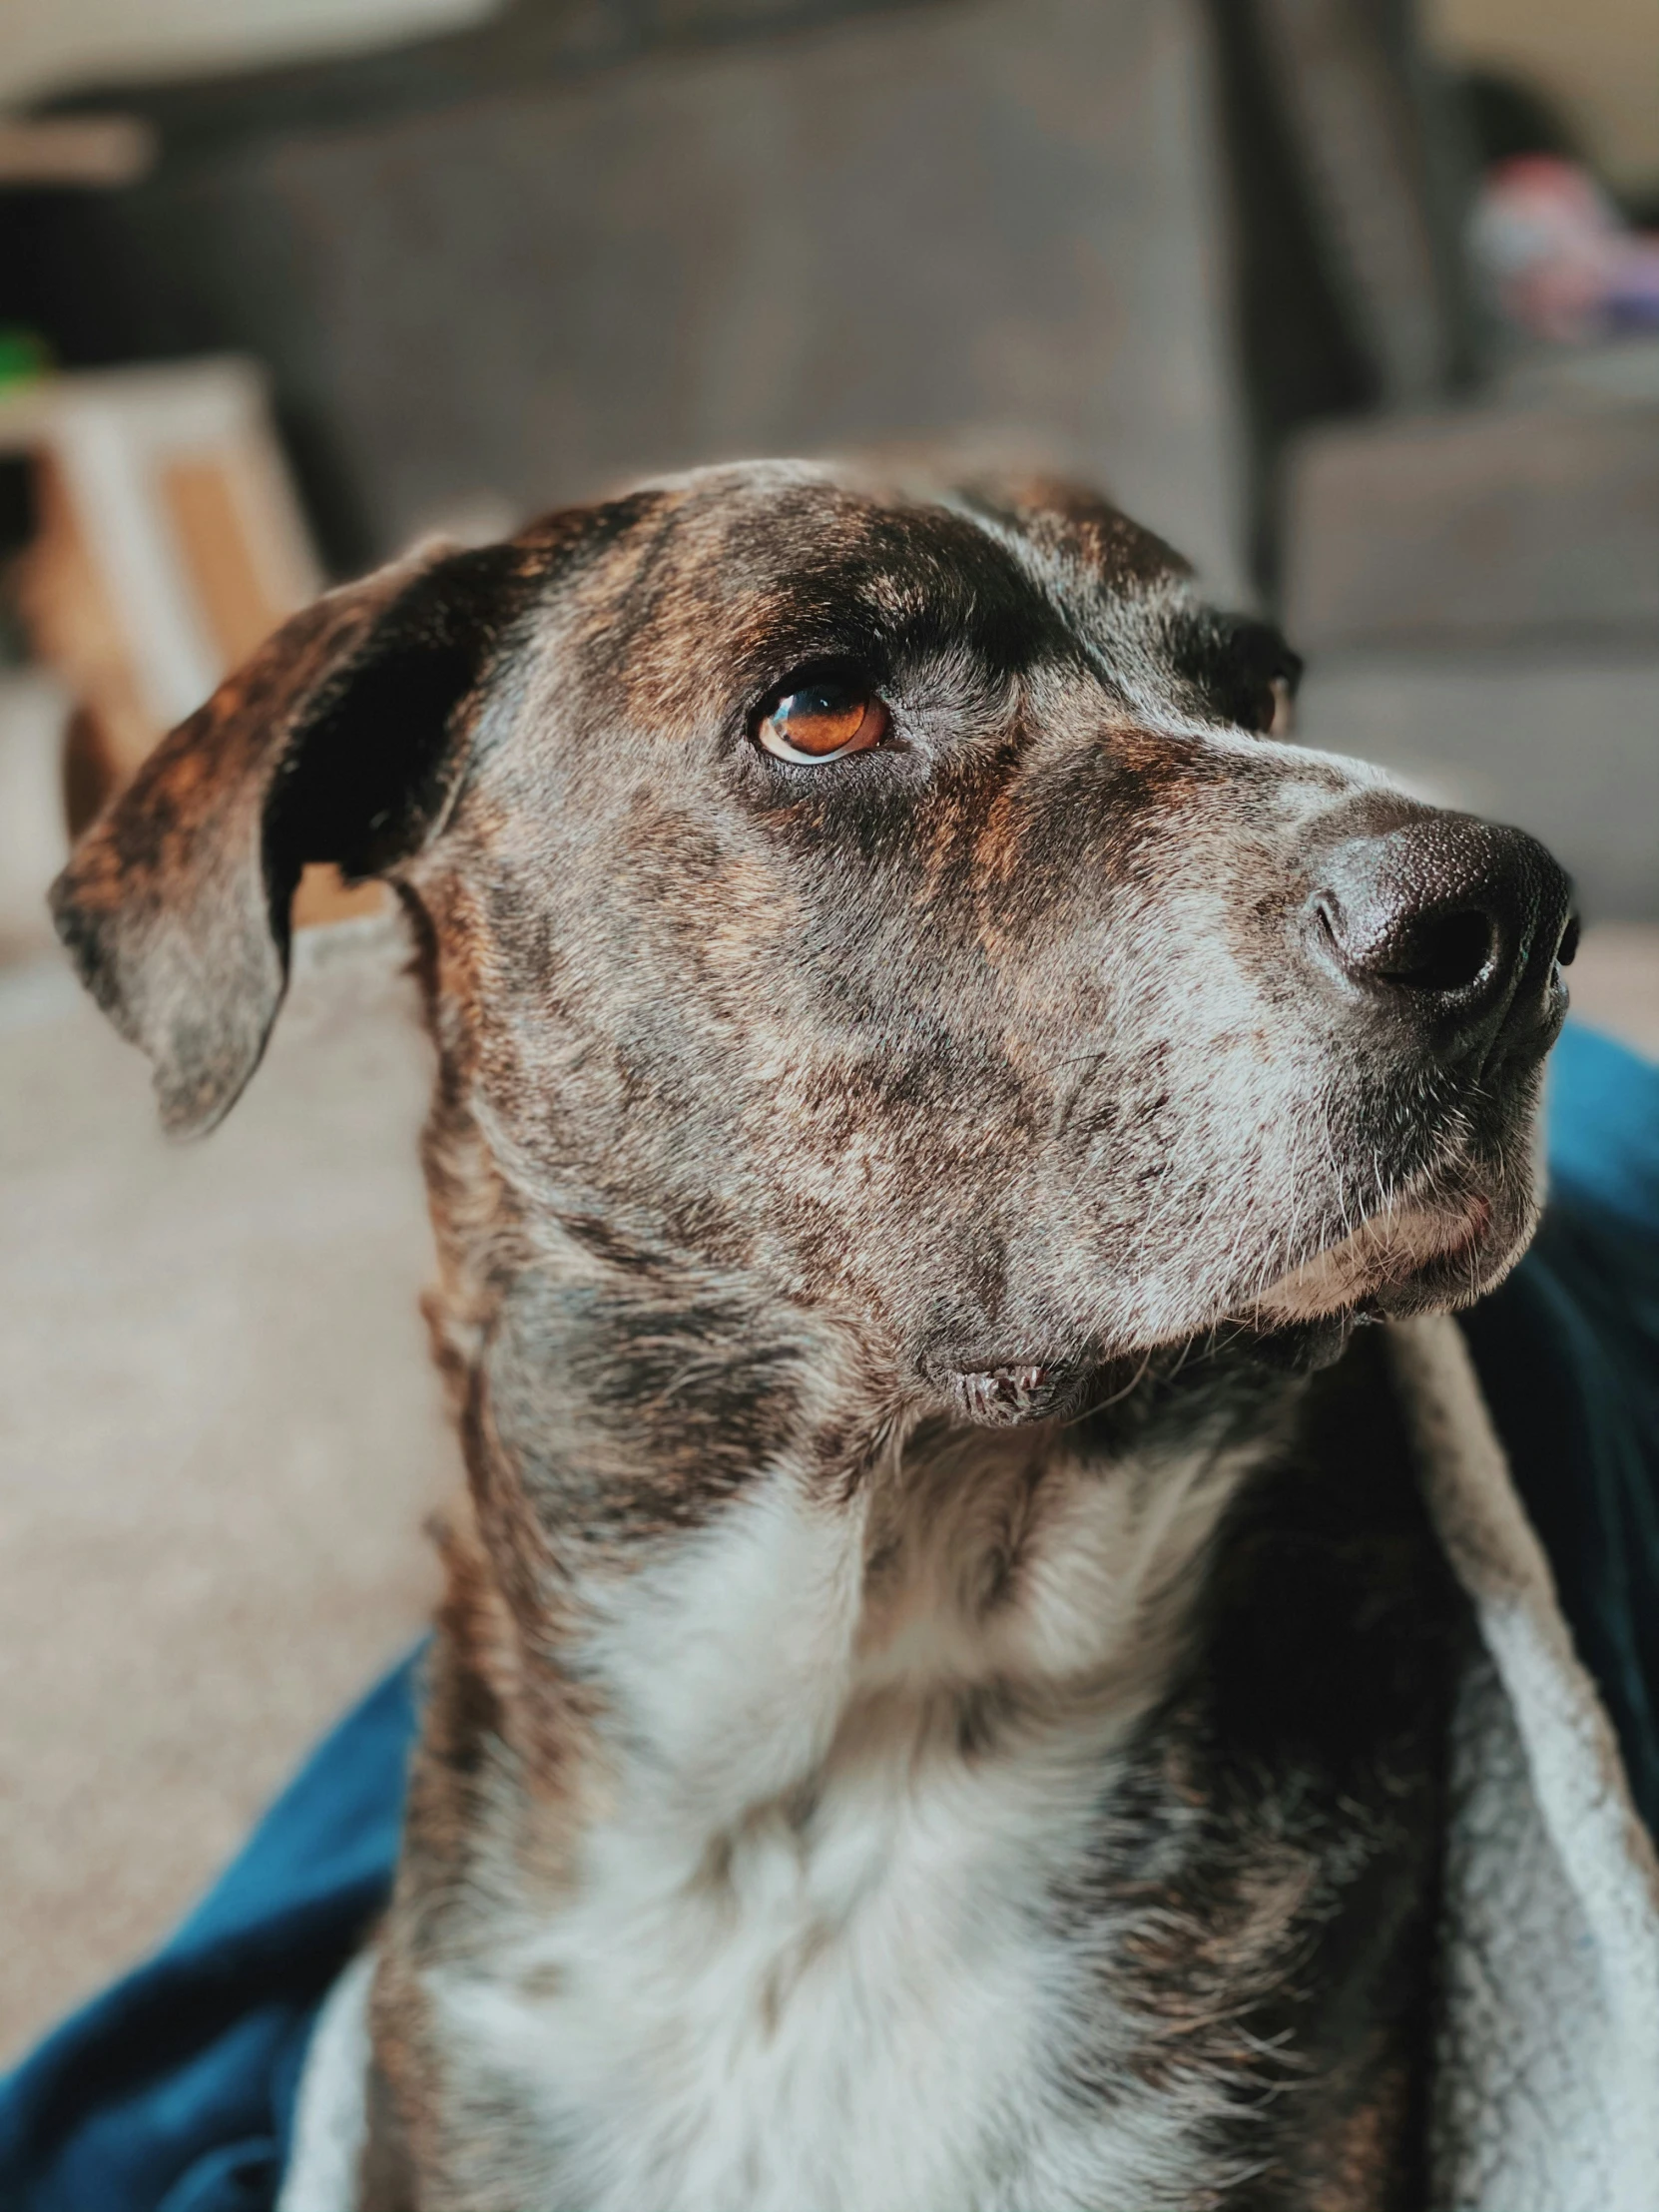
(1538, 1423)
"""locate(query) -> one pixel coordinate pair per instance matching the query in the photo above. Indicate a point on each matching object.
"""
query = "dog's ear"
(344, 739)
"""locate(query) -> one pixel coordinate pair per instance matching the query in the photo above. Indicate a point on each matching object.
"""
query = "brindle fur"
(793, 1125)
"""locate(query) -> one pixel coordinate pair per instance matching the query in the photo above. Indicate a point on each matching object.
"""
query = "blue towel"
(174, 2091)
(1568, 1351)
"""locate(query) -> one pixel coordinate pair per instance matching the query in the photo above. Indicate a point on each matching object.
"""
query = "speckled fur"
(829, 1797)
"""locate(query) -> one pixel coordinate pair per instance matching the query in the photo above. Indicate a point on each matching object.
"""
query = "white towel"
(1548, 2070)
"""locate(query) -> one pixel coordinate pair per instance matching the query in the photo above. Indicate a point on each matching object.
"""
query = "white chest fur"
(813, 1960)
(812, 1957)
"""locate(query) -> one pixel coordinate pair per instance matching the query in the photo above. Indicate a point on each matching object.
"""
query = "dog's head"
(902, 907)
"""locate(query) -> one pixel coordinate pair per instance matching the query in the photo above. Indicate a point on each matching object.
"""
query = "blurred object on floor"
(1615, 984)
(222, 1433)
(1555, 257)
(25, 356)
(168, 544)
(34, 709)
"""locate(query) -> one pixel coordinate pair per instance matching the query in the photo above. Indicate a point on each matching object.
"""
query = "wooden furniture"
(168, 543)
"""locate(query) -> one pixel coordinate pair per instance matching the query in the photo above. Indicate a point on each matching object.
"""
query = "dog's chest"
(877, 2005)
(818, 1955)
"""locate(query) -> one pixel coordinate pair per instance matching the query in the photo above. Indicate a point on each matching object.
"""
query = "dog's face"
(902, 909)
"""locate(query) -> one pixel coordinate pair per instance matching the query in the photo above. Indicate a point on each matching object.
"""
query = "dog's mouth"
(1405, 1258)
(1399, 1260)
(1421, 1255)
(1437, 1244)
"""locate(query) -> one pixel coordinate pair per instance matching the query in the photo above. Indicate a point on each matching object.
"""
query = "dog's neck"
(780, 1777)
(978, 1583)
(759, 1561)
(789, 1758)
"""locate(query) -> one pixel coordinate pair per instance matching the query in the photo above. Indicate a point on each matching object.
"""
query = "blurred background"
(1355, 301)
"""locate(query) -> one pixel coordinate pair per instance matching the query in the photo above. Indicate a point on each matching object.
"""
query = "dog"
(941, 1698)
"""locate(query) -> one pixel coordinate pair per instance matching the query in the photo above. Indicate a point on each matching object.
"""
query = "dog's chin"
(1426, 1257)
(1069, 1391)
(1416, 1261)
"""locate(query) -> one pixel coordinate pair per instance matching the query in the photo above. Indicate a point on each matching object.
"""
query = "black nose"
(1454, 924)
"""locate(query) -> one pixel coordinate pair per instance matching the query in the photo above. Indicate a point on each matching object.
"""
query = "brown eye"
(822, 720)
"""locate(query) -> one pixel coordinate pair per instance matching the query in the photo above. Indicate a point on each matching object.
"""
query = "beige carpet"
(221, 1436)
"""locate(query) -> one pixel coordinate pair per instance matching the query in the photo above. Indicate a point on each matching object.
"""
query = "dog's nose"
(1452, 924)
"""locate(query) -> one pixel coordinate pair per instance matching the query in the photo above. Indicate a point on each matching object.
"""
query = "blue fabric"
(174, 2091)
(1568, 1355)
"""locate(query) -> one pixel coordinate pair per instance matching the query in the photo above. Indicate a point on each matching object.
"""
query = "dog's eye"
(823, 718)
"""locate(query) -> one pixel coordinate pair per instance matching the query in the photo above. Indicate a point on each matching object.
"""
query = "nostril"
(1450, 927)
(1438, 952)
(1567, 950)
(1442, 953)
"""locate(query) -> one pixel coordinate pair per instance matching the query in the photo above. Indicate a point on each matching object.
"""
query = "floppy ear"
(344, 739)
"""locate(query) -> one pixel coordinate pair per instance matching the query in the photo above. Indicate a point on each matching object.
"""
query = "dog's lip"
(1368, 1268)
(998, 1391)
(1417, 1250)
(1002, 1371)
